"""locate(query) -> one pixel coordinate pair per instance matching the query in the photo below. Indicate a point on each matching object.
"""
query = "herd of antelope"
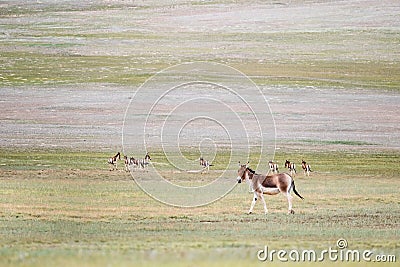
(130, 162)
(142, 163)
(291, 166)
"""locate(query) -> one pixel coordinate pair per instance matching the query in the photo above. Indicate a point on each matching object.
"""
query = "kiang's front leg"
(253, 202)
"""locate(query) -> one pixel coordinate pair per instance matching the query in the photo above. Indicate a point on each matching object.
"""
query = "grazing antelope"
(306, 167)
(291, 167)
(205, 163)
(147, 158)
(140, 163)
(127, 162)
(267, 184)
(273, 166)
(113, 161)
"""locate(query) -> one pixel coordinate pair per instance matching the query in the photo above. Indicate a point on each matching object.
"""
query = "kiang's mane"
(250, 170)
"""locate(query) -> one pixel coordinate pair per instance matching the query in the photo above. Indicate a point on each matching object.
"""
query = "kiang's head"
(242, 172)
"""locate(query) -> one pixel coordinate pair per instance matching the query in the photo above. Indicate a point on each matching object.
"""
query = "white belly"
(270, 190)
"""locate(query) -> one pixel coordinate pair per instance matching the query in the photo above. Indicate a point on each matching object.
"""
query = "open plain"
(330, 71)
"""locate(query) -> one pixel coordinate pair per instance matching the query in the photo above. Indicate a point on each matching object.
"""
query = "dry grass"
(83, 215)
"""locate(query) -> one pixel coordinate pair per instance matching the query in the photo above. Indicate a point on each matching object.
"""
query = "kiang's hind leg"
(285, 189)
(265, 204)
(289, 199)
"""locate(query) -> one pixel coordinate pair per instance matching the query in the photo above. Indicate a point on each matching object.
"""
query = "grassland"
(68, 208)
(33, 68)
(58, 43)
(64, 207)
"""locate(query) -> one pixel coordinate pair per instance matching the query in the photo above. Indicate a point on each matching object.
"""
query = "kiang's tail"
(295, 191)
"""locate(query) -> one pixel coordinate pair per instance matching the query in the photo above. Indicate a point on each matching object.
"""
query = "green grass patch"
(371, 163)
(55, 160)
(324, 73)
(21, 68)
(337, 142)
(346, 162)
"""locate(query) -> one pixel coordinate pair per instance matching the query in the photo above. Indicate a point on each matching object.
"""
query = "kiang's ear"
(239, 163)
(247, 164)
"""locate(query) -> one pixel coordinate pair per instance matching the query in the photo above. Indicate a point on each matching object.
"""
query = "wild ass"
(291, 167)
(273, 166)
(113, 161)
(306, 167)
(267, 184)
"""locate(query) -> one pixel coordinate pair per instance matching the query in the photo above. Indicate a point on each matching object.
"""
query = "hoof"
(291, 211)
(249, 213)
